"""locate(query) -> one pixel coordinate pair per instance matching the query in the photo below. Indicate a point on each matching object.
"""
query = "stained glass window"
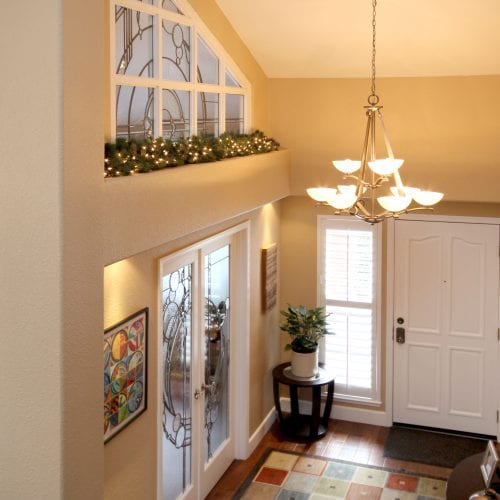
(208, 63)
(234, 113)
(175, 114)
(208, 114)
(176, 51)
(170, 5)
(134, 43)
(169, 74)
(134, 112)
(231, 80)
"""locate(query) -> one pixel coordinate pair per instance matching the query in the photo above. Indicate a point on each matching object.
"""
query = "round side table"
(298, 425)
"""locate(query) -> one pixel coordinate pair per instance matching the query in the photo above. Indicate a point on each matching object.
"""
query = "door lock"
(400, 335)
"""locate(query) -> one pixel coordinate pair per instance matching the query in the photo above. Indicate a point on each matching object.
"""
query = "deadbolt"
(400, 335)
(400, 321)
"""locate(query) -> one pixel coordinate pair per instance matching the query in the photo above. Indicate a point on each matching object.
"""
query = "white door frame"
(390, 254)
(240, 366)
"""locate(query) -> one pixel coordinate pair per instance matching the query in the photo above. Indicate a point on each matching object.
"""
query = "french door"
(446, 325)
(197, 442)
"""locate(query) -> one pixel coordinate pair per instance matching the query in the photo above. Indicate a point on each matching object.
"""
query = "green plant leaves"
(305, 325)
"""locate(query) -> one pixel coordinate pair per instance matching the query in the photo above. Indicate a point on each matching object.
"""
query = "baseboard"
(359, 415)
(261, 431)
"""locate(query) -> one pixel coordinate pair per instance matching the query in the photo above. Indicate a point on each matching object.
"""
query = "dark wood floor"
(360, 443)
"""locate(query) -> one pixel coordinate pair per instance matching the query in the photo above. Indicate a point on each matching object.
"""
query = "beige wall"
(51, 274)
(82, 250)
(31, 177)
(130, 285)
(446, 129)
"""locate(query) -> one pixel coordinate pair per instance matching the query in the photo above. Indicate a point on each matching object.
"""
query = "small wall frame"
(125, 370)
(269, 264)
(489, 464)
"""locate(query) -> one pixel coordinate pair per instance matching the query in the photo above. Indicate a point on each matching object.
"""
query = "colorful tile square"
(297, 481)
(364, 491)
(332, 488)
(309, 465)
(340, 471)
(261, 491)
(370, 476)
(292, 495)
(271, 476)
(431, 487)
(279, 460)
(402, 482)
(389, 494)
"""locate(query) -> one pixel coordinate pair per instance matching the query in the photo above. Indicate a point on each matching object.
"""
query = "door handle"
(400, 335)
(197, 394)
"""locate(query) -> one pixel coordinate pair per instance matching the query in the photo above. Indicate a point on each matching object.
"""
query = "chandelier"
(361, 197)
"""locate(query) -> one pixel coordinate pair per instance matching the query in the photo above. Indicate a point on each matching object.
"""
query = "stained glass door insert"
(177, 300)
(216, 355)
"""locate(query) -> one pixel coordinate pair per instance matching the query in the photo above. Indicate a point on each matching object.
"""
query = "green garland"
(131, 157)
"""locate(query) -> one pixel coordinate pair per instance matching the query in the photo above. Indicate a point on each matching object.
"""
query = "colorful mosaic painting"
(124, 353)
(288, 476)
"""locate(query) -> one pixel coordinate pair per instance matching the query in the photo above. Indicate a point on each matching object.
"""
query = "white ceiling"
(332, 38)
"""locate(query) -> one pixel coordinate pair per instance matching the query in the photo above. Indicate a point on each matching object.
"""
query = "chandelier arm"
(364, 159)
(399, 183)
(386, 137)
(360, 207)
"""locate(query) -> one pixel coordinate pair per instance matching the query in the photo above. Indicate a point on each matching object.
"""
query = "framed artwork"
(269, 276)
(125, 369)
(489, 463)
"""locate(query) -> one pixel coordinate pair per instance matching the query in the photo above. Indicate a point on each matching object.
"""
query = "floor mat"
(434, 448)
(285, 475)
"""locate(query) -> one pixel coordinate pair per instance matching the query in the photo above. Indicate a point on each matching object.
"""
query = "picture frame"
(269, 276)
(125, 350)
(489, 463)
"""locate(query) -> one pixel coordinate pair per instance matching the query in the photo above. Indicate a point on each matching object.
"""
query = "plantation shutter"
(348, 283)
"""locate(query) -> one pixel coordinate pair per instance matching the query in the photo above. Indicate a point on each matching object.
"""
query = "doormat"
(433, 448)
(290, 476)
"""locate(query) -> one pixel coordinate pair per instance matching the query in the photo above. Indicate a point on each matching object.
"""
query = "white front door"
(445, 325)
(195, 412)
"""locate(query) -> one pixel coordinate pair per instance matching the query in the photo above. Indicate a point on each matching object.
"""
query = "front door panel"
(446, 299)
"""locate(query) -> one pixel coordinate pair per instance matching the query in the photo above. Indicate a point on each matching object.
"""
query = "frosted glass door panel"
(216, 355)
(177, 381)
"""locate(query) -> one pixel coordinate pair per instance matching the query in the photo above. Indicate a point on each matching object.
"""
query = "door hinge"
(498, 333)
(497, 417)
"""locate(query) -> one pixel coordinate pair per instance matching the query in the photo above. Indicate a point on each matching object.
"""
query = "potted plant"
(305, 326)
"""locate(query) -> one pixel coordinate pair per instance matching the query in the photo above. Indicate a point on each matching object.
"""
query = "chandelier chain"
(374, 49)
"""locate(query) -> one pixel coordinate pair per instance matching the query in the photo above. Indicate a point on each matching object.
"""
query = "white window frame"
(325, 222)
(197, 27)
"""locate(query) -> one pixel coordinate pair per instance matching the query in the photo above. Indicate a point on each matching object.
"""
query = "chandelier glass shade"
(364, 197)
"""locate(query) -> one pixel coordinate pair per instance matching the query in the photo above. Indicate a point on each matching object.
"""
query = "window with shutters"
(349, 287)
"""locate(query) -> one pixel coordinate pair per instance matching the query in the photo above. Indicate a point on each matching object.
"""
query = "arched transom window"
(170, 77)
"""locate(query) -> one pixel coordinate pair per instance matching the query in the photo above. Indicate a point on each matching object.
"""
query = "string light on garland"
(126, 158)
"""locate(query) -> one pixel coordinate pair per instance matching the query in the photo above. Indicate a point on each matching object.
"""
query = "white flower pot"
(305, 365)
